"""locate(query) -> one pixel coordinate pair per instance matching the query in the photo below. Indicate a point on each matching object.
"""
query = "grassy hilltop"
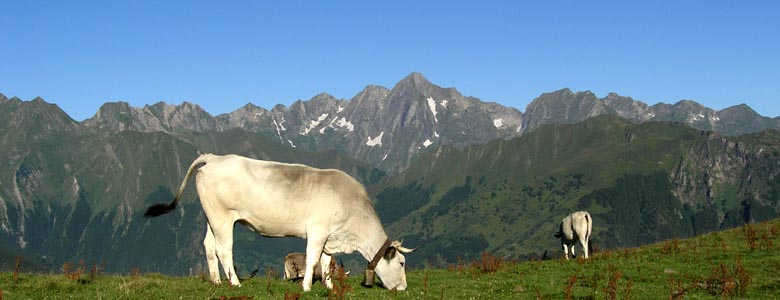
(740, 263)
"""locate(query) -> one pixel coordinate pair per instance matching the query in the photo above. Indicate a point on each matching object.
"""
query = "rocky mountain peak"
(564, 92)
(689, 104)
(114, 106)
(371, 95)
(280, 108)
(251, 107)
(415, 83)
(160, 105)
(38, 116)
(415, 78)
(249, 117)
(323, 97)
(3, 98)
(110, 109)
(119, 116)
(740, 109)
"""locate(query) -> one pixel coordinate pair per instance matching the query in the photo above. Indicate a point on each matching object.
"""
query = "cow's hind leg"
(210, 244)
(223, 233)
(584, 244)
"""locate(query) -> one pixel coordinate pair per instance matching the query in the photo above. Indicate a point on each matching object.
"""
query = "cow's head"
(390, 268)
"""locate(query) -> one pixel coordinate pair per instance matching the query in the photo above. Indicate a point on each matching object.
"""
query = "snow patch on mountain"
(432, 106)
(344, 123)
(279, 127)
(314, 123)
(377, 141)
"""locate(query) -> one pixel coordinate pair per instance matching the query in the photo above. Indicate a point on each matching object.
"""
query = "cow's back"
(277, 199)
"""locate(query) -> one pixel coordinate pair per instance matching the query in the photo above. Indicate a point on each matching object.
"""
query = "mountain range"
(387, 127)
(450, 173)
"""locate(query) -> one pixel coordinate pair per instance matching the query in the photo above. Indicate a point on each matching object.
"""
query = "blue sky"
(224, 54)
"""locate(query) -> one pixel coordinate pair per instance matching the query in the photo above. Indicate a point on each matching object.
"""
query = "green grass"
(741, 263)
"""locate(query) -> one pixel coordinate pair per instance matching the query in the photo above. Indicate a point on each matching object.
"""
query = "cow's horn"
(400, 248)
(405, 250)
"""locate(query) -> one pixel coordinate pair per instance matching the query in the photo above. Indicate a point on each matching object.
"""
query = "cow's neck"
(367, 231)
(372, 246)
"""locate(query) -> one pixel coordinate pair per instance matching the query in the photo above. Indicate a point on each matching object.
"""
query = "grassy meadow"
(741, 263)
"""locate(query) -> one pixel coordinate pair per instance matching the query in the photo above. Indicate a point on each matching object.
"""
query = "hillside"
(738, 263)
(641, 182)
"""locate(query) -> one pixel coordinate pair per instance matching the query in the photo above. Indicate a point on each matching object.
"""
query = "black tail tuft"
(159, 209)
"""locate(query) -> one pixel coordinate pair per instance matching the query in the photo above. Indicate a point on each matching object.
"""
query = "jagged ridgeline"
(451, 174)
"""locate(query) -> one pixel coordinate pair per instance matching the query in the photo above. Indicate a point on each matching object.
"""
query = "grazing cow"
(577, 226)
(328, 208)
(294, 264)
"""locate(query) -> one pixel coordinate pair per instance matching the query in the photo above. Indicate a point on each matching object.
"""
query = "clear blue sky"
(224, 54)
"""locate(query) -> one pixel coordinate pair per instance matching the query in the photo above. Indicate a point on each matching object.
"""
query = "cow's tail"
(163, 208)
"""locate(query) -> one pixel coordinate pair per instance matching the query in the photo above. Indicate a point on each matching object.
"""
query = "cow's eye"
(402, 264)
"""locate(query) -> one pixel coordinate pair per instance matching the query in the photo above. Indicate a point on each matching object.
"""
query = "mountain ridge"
(389, 126)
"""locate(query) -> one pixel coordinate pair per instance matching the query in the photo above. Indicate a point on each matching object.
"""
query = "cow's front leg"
(210, 245)
(314, 245)
(325, 260)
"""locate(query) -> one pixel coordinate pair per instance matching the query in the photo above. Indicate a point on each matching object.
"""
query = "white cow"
(576, 226)
(294, 266)
(328, 208)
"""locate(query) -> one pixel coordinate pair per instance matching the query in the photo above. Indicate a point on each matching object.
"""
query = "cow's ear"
(391, 252)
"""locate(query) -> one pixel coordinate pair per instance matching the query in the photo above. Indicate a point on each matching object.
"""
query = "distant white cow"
(328, 208)
(577, 226)
(294, 266)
